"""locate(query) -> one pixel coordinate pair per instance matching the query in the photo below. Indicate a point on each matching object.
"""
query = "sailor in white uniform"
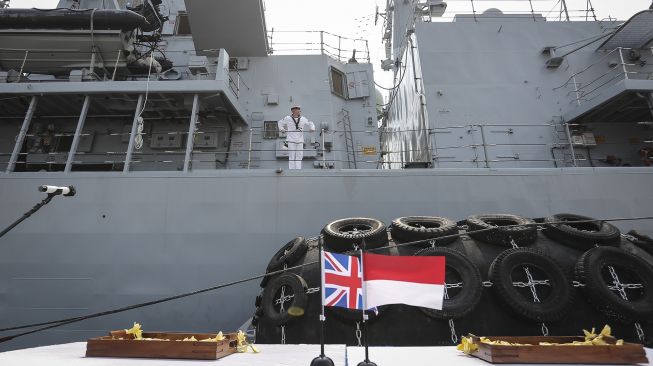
(294, 126)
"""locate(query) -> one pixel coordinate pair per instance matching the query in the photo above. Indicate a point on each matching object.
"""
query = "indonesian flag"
(410, 280)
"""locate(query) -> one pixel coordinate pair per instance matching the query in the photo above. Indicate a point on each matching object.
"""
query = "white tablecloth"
(72, 354)
(424, 356)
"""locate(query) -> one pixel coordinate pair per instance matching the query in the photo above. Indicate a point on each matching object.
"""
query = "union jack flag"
(343, 281)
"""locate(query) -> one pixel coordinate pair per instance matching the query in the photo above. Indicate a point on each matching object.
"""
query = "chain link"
(629, 237)
(640, 332)
(626, 285)
(534, 282)
(432, 243)
(545, 330)
(577, 284)
(283, 334)
(453, 285)
(312, 290)
(283, 298)
(359, 334)
(454, 337)
(487, 283)
(531, 284)
(617, 283)
(512, 242)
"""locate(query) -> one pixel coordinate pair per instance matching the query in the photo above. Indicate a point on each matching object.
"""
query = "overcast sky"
(355, 18)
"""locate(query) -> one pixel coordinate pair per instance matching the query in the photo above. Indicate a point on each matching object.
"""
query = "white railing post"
(323, 152)
(249, 153)
(623, 63)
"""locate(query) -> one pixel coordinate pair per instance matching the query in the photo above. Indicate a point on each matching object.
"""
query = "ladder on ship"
(349, 140)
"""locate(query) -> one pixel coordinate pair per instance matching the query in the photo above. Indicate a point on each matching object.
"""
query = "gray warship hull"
(125, 240)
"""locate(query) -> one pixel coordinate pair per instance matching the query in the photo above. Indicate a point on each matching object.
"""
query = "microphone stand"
(29, 213)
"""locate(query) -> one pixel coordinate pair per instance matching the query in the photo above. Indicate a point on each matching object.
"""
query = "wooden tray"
(109, 347)
(628, 353)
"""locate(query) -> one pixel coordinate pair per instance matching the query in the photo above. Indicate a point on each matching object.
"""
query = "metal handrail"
(324, 47)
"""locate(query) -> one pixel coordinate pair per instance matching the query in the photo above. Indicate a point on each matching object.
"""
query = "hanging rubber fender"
(459, 271)
(285, 299)
(597, 267)
(581, 235)
(502, 231)
(341, 235)
(516, 272)
(289, 254)
(258, 300)
(414, 228)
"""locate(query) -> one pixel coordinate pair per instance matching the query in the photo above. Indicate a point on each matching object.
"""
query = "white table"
(424, 356)
(72, 354)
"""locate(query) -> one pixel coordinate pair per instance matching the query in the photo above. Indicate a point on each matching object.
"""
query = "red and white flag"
(410, 280)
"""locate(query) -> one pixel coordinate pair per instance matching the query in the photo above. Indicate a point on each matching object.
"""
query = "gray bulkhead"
(489, 99)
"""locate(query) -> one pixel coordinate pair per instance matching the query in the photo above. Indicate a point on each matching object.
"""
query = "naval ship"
(163, 116)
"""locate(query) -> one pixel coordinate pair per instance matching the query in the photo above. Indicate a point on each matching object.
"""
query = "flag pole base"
(366, 363)
(322, 361)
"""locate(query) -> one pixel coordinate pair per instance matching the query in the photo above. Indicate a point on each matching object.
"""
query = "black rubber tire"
(642, 241)
(502, 233)
(414, 228)
(289, 254)
(551, 308)
(462, 270)
(288, 282)
(581, 236)
(341, 235)
(592, 270)
(255, 320)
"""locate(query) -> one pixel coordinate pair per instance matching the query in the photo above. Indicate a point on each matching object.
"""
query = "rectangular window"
(182, 28)
(270, 130)
(338, 82)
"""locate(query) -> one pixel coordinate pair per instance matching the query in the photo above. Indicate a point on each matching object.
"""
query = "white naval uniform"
(295, 138)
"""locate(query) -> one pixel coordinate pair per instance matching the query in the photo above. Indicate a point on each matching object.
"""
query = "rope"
(58, 323)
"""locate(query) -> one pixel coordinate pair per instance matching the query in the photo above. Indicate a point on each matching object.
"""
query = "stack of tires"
(505, 275)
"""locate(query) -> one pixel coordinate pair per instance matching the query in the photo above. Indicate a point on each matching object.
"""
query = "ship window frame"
(342, 91)
(183, 23)
(270, 130)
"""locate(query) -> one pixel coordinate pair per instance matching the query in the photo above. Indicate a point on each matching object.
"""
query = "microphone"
(56, 190)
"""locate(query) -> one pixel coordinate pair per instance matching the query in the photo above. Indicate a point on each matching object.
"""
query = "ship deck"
(72, 354)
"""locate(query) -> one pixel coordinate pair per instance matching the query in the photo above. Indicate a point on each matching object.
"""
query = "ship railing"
(343, 49)
(109, 70)
(487, 151)
(537, 10)
(622, 63)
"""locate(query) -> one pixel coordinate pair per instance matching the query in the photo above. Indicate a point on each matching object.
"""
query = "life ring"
(597, 267)
(342, 235)
(502, 231)
(580, 235)
(464, 280)
(284, 298)
(289, 254)
(417, 228)
(516, 271)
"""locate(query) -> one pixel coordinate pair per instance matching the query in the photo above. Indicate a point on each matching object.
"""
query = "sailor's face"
(296, 112)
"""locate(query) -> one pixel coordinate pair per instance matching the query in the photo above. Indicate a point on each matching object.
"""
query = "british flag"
(343, 281)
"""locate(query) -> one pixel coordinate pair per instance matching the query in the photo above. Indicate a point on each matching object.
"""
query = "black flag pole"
(367, 361)
(322, 360)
